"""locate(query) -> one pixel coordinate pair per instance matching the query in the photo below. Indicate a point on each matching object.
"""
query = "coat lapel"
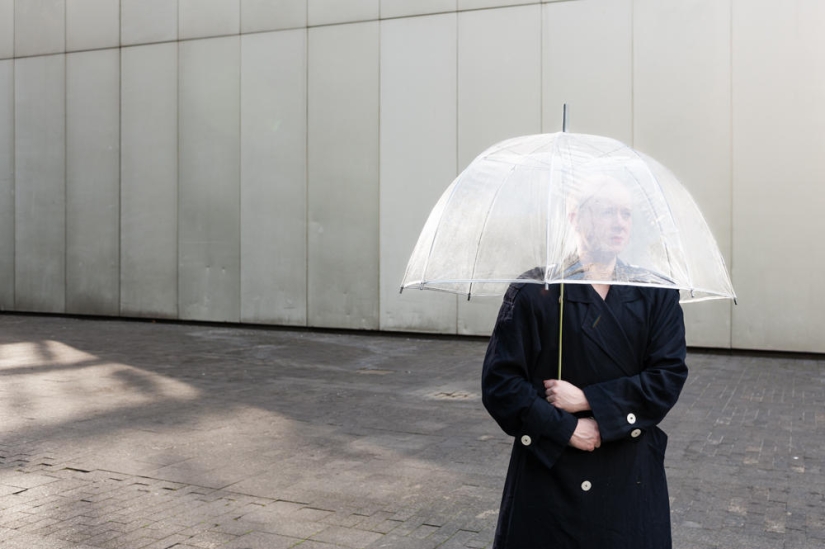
(601, 326)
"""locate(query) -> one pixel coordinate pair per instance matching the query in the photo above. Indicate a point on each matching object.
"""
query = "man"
(587, 466)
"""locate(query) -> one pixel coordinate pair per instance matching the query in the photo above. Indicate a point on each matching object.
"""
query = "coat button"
(586, 486)
(526, 440)
(631, 418)
(635, 433)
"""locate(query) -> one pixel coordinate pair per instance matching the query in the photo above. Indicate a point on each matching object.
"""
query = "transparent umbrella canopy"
(531, 209)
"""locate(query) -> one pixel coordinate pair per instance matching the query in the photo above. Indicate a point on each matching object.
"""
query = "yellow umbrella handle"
(561, 318)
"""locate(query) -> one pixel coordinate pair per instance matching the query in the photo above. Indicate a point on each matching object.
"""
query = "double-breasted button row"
(586, 485)
(631, 418)
(526, 440)
(635, 433)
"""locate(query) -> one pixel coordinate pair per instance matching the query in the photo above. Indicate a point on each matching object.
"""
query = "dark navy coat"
(627, 353)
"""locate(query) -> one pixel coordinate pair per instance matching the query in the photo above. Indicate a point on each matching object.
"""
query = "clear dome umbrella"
(566, 208)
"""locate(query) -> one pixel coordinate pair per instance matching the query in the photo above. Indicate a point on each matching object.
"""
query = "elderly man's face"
(603, 221)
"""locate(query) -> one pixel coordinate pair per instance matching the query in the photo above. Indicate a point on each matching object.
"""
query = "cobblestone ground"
(118, 434)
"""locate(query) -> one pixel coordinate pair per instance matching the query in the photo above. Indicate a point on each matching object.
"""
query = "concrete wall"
(272, 161)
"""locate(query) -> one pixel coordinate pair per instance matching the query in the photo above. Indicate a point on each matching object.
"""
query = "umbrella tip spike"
(564, 118)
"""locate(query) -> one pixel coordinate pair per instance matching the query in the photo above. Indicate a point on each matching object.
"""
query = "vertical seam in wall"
(732, 167)
(240, 169)
(65, 156)
(13, 62)
(306, 163)
(240, 163)
(457, 123)
(120, 160)
(306, 174)
(119, 168)
(633, 73)
(14, 171)
(542, 9)
(378, 172)
(65, 177)
(178, 292)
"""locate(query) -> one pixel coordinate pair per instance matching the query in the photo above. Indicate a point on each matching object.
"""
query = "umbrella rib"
(487, 218)
(556, 149)
(670, 211)
(437, 227)
(484, 227)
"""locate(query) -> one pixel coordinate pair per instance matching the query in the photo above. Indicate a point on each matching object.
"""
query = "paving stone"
(261, 540)
(458, 540)
(211, 539)
(318, 545)
(289, 528)
(347, 521)
(169, 542)
(235, 527)
(347, 537)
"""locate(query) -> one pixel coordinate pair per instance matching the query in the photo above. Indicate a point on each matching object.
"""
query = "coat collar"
(580, 290)
(584, 293)
(603, 324)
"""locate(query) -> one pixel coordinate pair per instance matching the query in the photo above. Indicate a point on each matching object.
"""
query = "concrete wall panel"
(682, 113)
(418, 158)
(40, 184)
(779, 168)
(93, 182)
(273, 178)
(499, 77)
(499, 96)
(587, 63)
(39, 27)
(92, 24)
(328, 12)
(268, 15)
(7, 185)
(148, 21)
(205, 18)
(343, 104)
(209, 184)
(404, 8)
(149, 181)
(6, 29)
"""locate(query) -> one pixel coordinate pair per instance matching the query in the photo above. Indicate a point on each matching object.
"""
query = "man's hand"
(565, 396)
(586, 436)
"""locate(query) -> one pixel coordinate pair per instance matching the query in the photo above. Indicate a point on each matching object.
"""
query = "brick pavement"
(118, 434)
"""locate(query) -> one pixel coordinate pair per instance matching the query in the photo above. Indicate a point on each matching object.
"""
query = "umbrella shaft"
(561, 318)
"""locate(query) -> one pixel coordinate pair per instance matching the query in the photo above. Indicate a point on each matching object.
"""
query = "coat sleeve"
(627, 406)
(508, 392)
